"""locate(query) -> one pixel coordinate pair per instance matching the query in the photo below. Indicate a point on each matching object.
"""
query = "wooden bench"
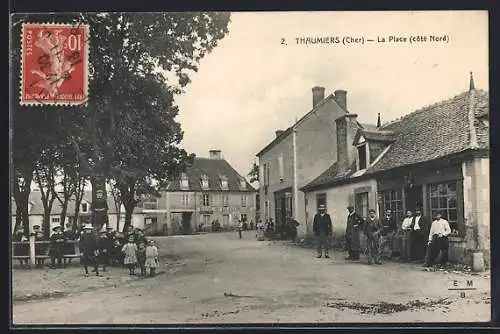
(32, 254)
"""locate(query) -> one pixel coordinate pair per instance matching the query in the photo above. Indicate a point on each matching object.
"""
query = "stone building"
(436, 158)
(210, 191)
(300, 153)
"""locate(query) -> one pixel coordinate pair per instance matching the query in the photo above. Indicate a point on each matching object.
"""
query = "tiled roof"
(214, 169)
(435, 131)
(37, 207)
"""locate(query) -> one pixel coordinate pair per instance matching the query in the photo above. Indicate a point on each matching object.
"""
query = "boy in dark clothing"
(141, 257)
(104, 244)
(40, 248)
(140, 237)
(57, 241)
(372, 228)
(69, 247)
(89, 250)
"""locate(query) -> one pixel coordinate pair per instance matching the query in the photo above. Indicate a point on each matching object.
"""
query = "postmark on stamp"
(54, 68)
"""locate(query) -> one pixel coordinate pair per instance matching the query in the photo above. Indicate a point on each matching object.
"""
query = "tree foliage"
(127, 131)
(254, 173)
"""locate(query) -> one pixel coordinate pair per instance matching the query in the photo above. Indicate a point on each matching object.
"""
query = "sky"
(251, 84)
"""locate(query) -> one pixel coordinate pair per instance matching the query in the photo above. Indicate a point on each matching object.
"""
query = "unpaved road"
(216, 278)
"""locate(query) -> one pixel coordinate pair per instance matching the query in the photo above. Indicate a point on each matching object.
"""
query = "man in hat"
(104, 244)
(56, 252)
(388, 231)
(40, 248)
(419, 231)
(322, 229)
(438, 241)
(353, 226)
(88, 249)
(372, 231)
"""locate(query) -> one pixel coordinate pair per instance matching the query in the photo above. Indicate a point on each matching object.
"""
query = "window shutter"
(280, 166)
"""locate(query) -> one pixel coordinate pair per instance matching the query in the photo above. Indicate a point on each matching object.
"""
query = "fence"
(33, 246)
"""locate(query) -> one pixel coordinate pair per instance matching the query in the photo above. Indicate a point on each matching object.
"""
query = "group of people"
(102, 249)
(414, 239)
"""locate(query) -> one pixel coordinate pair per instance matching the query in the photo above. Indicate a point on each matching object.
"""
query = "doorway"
(414, 198)
(186, 223)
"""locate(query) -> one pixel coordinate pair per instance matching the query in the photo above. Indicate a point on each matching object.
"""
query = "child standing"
(141, 257)
(151, 257)
(130, 250)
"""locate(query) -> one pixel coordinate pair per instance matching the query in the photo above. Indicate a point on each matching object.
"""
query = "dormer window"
(243, 184)
(363, 160)
(223, 182)
(184, 181)
(204, 181)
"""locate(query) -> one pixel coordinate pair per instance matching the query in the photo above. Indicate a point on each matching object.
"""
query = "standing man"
(69, 246)
(354, 223)
(387, 233)
(406, 230)
(373, 227)
(418, 236)
(240, 228)
(89, 250)
(438, 241)
(322, 228)
(104, 245)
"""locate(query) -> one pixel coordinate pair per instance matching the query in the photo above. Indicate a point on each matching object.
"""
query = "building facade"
(210, 191)
(436, 159)
(299, 154)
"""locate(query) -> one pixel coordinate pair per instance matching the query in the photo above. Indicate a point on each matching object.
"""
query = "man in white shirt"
(438, 241)
(406, 228)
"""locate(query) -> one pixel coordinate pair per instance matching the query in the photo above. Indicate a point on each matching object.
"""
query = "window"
(392, 199)
(223, 182)
(266, 174)
(184, 181)
(84, 207)
(362, 156)
(150, 205)
(320, 200)
(204, 182)
(206, 199)
(443, 198)
(225, 220)
(266, 210)
(280, 166)
(56, 220)
(243, 217)
(225, 200)
(243, 200)
(185, 200)
(361, 204)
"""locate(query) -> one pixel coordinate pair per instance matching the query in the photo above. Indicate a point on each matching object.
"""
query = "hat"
(151, 241)
(321, 207)
(55, 228)
(371, 211)
(36, 227)
(87, 227)
(109, 228)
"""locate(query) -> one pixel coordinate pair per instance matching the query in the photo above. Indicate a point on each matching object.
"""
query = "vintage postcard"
(250, 168)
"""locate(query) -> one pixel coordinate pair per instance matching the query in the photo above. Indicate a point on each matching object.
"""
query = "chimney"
(346, 127)
(215, 154)
(278, 133)
(318, 94)
(340, 97)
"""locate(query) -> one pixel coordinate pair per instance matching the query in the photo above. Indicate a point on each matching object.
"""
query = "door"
(413, 198)
(186, 223)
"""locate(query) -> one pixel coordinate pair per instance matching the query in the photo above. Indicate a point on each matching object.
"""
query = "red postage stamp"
(54, 69)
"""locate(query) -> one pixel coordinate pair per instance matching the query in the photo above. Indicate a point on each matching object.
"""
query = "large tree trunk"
(21, 191)
(79, 192)
(127, 193)
(48, 196)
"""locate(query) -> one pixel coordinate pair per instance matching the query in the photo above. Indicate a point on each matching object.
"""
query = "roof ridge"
(425, 108)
